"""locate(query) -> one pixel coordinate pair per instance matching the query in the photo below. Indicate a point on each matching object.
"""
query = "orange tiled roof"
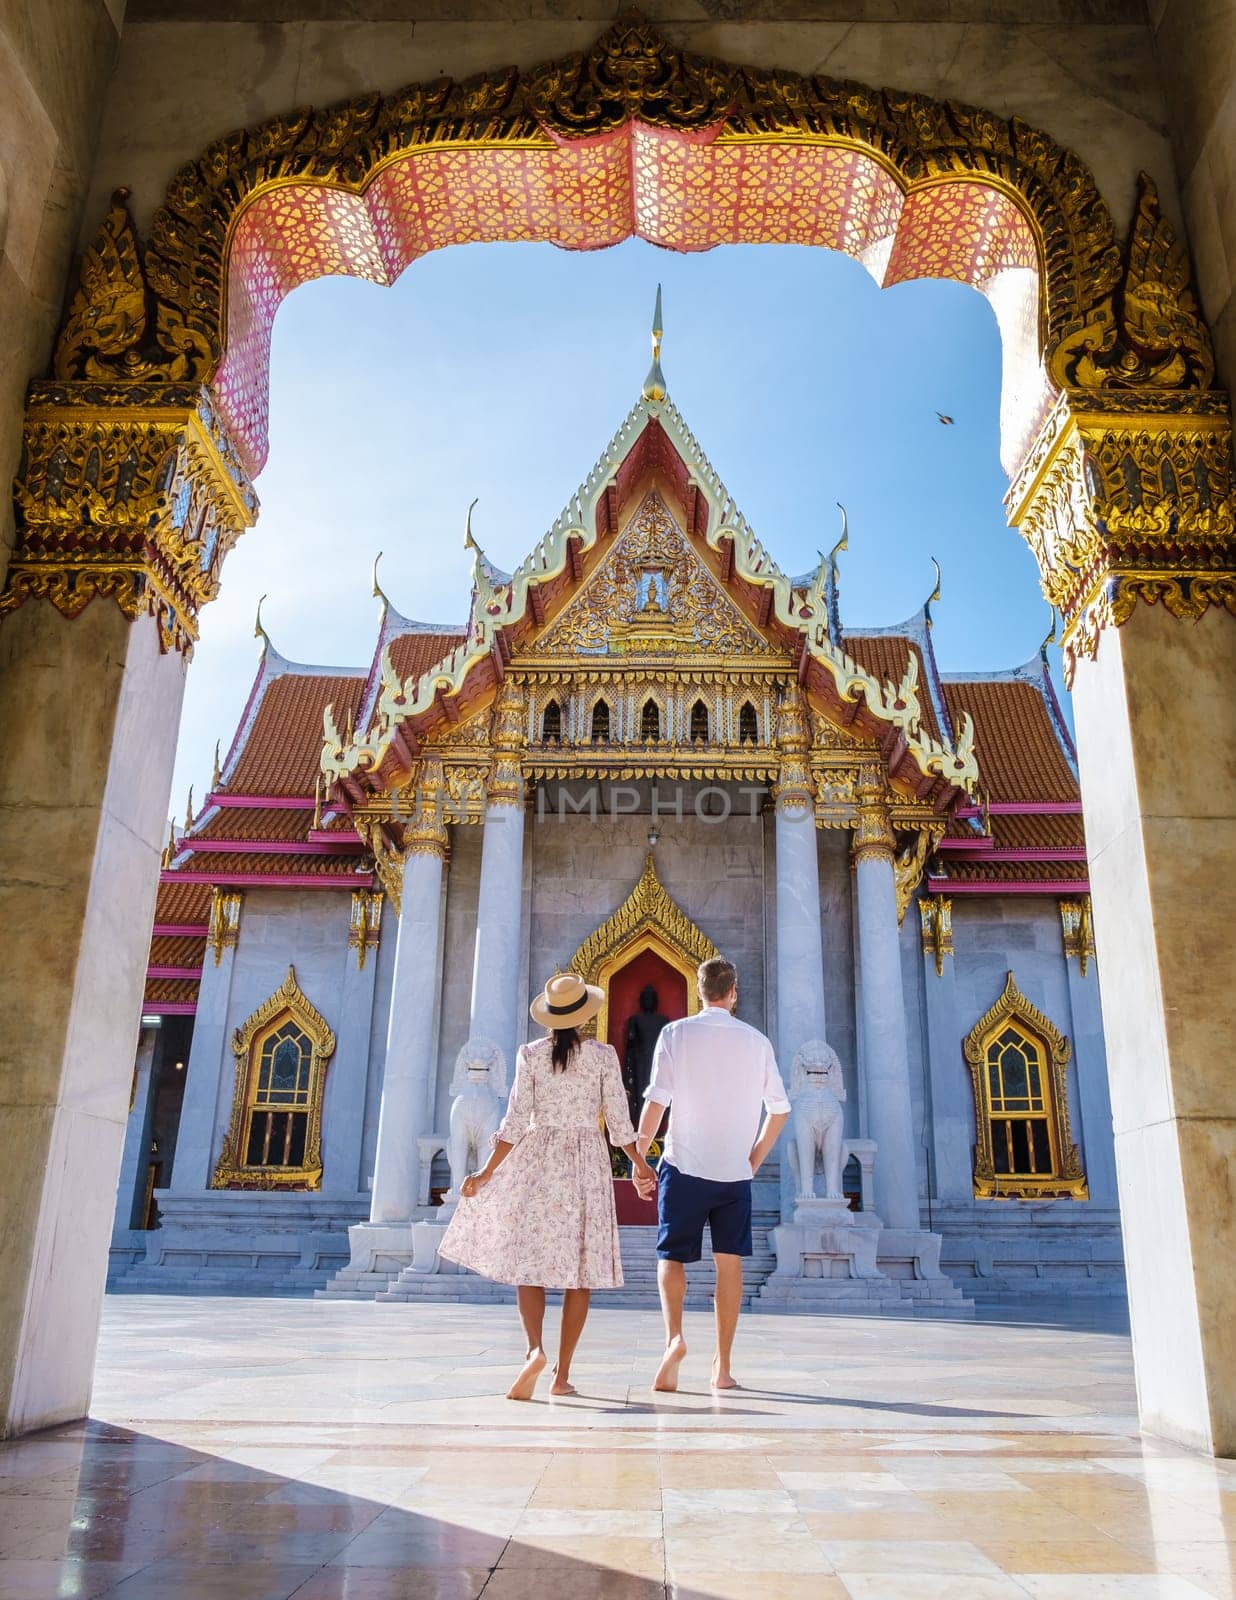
(1023, 872)
(171, 991)
(886, 656)
(283, 748)
(176, 952)
(415, 653)
(183, 902)
(255, 822)
(231, 862)
(1019, 755)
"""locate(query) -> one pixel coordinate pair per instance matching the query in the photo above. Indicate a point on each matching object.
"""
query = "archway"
(136, 479)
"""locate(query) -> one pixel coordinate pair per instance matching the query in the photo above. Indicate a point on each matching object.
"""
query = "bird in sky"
(947, 421)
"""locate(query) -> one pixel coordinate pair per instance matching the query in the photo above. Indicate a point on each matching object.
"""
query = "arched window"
(650, 722)
(699, 723)
(748, 727)
(274, 1138)
(551, 724)
(600, 722)
(1018, 1062)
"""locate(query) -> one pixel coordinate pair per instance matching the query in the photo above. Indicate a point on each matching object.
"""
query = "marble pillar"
(1092, 1107)
(410, 1054)
(135, 1159)
(952, 1099)
(886, 1062)
(1156, 736)
(343, 1106)
(93, 708)
(496, 991)
(210, 1078)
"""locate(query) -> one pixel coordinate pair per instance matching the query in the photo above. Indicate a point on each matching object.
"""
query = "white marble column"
(1092, 1123)
(135, 1160)
(952, 1104)
(410, 1036)
(800, 944)
(886, 1062)
(496, 966)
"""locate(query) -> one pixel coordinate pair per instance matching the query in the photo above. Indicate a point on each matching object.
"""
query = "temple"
(645, 745)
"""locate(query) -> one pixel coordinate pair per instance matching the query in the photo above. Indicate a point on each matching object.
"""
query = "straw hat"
(566, 1002)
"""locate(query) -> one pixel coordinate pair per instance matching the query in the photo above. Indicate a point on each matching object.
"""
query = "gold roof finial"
(654, 383)
(189, 811)
(317, 802)
(934, 595)
(1051, 637)
(378, 592)
(259, 632)
(216, 776)
(842, 544)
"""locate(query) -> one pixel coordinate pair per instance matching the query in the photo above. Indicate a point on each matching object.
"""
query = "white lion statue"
(817, 1120)
(479, 1088)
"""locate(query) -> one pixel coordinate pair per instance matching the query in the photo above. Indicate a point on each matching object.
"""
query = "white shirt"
(717, 1073)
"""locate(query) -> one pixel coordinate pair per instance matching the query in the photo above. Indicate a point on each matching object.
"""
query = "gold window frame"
(1066, 1179)
(288, 1003)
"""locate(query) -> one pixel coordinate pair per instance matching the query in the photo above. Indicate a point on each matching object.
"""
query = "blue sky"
(501, 371)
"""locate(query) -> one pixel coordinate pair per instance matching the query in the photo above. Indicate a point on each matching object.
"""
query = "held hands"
(473, 1184)
(644, 1178)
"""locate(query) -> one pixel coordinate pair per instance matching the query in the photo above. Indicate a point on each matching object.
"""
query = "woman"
(540, 1212)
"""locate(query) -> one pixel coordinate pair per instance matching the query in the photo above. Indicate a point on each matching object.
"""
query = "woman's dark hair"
(566, 1043)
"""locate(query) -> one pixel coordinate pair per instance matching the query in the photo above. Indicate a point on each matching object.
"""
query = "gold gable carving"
(607, 616)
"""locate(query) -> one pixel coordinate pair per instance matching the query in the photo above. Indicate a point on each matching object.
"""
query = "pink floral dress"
(546, 1217)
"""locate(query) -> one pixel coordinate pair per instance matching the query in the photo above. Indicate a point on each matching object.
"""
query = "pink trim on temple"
(1062, 852)
(170, 1008)
(1069, 887)
(261, 802)
(180, 930)
(173, 972)
(348, 836)
(271, 880)
(322, 844)
(1024, 808)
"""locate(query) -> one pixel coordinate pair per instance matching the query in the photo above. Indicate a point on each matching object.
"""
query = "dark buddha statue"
(643, 1031)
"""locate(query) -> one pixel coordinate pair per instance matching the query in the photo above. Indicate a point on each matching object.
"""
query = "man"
(716, 1072)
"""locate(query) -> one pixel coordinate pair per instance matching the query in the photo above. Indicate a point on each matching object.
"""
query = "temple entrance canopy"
(137, 472)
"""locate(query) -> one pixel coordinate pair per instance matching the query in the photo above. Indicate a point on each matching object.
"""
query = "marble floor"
(259, 1449)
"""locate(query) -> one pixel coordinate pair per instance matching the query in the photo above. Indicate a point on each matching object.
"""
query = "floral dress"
(546, 1217)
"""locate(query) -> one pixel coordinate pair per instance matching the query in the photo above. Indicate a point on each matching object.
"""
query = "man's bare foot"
(562, 1385)
(532, 1369)
(666, 1379)
(724, 1380)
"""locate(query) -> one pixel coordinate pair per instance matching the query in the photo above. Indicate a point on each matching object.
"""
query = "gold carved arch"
(1066, 1177)
(289, 1003)
(648, 919)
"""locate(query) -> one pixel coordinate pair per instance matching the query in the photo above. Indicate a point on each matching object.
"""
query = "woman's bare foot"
(532, 1369)
(666, 1379)
(562, 1385)
(724, 1380)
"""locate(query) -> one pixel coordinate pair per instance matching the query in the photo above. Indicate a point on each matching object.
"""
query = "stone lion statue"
(479, 1088)
(817, 1119)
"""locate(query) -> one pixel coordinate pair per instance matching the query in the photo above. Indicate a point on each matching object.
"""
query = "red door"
(624, 992)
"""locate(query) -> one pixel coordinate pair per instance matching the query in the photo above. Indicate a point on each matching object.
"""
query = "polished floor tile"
(364, 1452)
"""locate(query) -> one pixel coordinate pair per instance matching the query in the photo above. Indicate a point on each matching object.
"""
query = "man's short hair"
(716, 978)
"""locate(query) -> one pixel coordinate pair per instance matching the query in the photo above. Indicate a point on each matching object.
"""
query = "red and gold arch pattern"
(680, 191)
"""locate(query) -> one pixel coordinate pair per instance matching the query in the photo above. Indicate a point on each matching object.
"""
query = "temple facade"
(646, 745)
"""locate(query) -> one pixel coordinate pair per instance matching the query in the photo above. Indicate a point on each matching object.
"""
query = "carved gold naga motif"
(1137, 420)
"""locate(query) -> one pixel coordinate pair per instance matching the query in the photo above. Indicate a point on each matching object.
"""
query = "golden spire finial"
(654, 383)
(469, 538)
(216, 776)
(842, 544)
(317, 802)
(1051, 637)
(189, 811)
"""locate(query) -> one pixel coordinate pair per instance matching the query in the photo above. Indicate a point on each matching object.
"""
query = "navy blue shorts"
(685, 1204)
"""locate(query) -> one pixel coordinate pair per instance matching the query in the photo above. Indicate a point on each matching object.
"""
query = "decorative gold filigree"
(288, 1003)
(630, 74)
(507, 739)
(936, 918)
(873, 834)
(647, 919)
(792, 791)
(386, 854)
(365, 923)
(223, 929)
(131, 491)
(1126, 506)
(1150, 332)
(424, 832)
(910, 864)
(1066, 1180)
(1077, 930)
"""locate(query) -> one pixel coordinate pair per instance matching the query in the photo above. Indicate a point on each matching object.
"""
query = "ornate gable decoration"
(652, 595)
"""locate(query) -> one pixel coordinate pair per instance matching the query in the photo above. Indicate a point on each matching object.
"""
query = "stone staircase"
(639, 1265)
